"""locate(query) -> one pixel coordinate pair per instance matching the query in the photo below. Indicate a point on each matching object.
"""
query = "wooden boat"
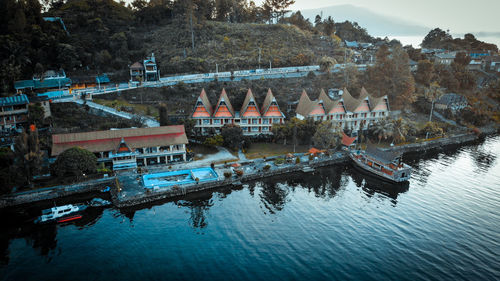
(60, 213)
(386, 165)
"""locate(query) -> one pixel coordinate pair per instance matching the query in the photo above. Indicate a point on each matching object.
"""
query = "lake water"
(334, 224)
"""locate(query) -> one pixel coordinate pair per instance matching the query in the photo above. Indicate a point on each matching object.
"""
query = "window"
(206, 121)
(244, 121)
(216, 121)
(255, 129)
(276, 120)
(265, 121)
(265, 129)
(255, 121)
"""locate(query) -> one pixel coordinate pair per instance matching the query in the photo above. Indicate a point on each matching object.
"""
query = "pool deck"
(130, 191)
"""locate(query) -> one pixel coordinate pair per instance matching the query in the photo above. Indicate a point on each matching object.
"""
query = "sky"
(456, 15)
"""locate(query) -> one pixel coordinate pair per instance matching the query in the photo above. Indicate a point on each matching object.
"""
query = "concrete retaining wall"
(152, 195)
(53, 192)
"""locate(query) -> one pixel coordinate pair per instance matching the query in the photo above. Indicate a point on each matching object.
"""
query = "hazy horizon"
(445, 14)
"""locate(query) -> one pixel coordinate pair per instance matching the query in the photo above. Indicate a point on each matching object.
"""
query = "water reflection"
(482, 159)
(198, 210)
(372, 186)
(43, 238)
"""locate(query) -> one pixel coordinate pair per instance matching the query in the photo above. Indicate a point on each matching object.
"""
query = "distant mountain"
(376, 24)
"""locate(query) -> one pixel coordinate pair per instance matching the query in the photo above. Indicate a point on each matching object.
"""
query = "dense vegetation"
(441, 39)
(186, 36)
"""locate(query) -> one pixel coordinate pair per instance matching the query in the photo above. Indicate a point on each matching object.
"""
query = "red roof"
(99, 141)
(346, 140)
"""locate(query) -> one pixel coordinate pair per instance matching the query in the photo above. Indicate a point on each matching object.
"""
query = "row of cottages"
(345, 110)
(128, 148)
(252, 119)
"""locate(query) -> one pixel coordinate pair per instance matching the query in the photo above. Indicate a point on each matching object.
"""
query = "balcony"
(13, 112)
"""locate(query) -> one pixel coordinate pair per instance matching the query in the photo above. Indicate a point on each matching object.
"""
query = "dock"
(129, 189)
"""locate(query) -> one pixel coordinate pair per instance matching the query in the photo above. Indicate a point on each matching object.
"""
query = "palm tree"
(383, 129)
(401, 128)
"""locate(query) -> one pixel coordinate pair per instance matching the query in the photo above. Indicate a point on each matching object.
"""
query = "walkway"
(251, 74)
(147, 121)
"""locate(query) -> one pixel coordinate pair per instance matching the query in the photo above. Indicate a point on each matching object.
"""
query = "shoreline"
(133, 192)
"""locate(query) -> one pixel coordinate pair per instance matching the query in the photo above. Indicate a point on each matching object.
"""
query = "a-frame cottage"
(344, 110)
(252, 119)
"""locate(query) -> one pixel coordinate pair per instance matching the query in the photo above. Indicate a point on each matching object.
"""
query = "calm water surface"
(334, 224)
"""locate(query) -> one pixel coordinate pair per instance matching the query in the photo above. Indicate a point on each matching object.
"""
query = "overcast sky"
(456, 15)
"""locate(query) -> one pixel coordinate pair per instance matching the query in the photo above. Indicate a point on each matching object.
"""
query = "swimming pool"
(179, 177)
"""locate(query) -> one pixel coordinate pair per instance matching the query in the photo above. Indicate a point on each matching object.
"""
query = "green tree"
(436, 38)
(6, 161)
(462, 59)
(329, 26)
(36, 114)
(391, 75)
(28, 157)
(326, 136)
(401, 128)
(75, 162)
(383, 129)
(431, 129)
(233, 136)
(425, 72)
(433, 93)
(326, 64)
(163, 112)
(216, 140)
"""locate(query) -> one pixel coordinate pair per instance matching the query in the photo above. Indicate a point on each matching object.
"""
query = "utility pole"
(260, 49)
(270, 65)
(294, 136)
(345, 70)
(216, 68)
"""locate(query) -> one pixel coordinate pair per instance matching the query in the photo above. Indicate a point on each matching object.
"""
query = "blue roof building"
(102, 79)
(352, 44)
(14, 100)
(13, 112)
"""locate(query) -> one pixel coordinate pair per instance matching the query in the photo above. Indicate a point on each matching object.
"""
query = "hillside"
(235, 46)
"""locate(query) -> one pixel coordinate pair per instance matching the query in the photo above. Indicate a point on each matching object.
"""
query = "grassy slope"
(234, 46)
(181, 99)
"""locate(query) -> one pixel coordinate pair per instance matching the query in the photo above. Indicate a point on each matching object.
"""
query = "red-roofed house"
(128, 148)
(251, 119)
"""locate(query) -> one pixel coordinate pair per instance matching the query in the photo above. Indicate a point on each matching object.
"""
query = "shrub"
(279, 161)
(297, 160)
(227, 174)
(266, 168)
(311, 157)
(239, 173)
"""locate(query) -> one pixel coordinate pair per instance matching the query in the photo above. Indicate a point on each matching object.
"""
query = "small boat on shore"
(99, 202)
(63, 213)
(386, 165)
